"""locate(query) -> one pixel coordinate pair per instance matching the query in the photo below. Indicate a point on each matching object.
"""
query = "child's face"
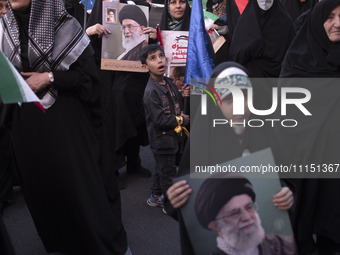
(179, 82)
(3, 8)
(156, 63)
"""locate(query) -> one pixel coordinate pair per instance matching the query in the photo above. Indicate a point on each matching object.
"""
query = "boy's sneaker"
(155, 201)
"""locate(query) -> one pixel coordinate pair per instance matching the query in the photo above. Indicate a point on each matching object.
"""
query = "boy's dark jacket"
(160, 116)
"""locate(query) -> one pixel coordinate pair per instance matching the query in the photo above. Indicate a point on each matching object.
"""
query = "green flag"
(13, 88)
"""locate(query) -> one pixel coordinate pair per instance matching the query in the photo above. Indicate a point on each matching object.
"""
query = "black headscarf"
(96, 14)
(233, 14)
(261, 39)
(315, 139)
(96, 17)
(76, 9)
(300, 20)
(295, 7)
(225, 65)
(185, 21)
(312, 54)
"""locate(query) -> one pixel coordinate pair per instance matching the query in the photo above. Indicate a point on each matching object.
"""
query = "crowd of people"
(66, 158)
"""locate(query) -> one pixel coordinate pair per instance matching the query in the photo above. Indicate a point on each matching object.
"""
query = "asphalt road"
(150, 232)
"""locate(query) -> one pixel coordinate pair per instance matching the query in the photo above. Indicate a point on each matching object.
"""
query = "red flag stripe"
(159, 37)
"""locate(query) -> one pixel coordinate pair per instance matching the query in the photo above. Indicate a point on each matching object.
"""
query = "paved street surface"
(150, 232)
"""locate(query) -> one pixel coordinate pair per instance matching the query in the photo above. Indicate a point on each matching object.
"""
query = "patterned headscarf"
(168, 22)
(55, 40)
(173, 23)
(229, 73)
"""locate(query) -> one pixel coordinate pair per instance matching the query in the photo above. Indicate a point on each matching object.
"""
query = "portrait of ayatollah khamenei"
(236, 210)
(120, 50)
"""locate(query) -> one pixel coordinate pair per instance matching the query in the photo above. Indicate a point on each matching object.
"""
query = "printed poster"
(120, 51)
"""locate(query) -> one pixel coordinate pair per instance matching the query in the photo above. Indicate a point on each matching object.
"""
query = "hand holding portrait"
(152, 32)
(284, 199)
(179, 193)
(99, 30)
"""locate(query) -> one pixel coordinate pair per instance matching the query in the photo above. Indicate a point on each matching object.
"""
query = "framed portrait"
(111, 15)
(120, 50)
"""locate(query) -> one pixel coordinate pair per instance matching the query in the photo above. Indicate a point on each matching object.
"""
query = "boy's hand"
(178, 194)
(186, 119)
(284, 199)
(186, 90)
(99, 30)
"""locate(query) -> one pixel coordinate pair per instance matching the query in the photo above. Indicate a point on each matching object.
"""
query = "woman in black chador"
(260, 41)
(176, 15)
(57, 151)
(315, 53)
(261, 38)
(123, 97)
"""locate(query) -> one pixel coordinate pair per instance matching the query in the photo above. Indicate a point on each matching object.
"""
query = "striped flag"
(13, 88)
(209, 19)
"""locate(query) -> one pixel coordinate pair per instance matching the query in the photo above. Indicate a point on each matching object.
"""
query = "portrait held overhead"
(129, 34)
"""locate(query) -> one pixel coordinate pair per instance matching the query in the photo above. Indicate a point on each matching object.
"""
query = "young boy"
(165, 120)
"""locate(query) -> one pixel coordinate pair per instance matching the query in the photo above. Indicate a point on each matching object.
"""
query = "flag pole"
(85, 14)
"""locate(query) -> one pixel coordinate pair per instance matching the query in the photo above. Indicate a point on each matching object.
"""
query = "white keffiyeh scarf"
(55, 40)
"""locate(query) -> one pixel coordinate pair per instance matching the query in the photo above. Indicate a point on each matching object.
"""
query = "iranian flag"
(209, 19)
(13, 88)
